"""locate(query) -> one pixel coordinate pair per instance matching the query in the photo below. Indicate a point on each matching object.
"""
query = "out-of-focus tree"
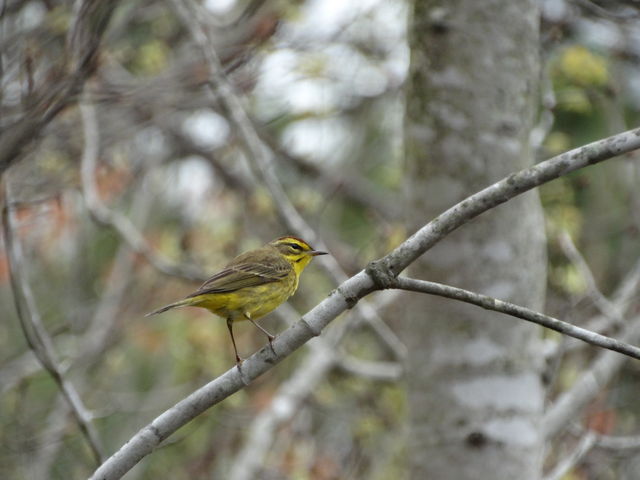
(143, 144)
(476, 401)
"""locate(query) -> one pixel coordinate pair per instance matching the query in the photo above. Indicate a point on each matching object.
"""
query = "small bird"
(252, 284)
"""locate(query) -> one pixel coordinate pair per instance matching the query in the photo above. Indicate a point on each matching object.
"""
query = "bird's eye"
(295, 246)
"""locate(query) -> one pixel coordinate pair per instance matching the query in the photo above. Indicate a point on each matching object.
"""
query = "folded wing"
(242, 274)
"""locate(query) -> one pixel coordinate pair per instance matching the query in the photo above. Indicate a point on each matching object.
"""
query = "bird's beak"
(315, 253)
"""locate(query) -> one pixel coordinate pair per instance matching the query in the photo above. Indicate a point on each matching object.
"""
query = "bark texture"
(475, 395)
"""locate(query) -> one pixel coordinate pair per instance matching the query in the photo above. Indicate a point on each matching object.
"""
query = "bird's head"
(298, 252)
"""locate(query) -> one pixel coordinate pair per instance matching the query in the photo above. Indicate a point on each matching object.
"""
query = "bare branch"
(628, 288)
(238, 181)
(380, 275)
(37, 337)
(624, 14)
(490, 303)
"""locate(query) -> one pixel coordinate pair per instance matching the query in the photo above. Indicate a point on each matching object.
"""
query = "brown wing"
(243, 273)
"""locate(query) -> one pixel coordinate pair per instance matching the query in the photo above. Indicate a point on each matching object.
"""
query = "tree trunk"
(474, 390)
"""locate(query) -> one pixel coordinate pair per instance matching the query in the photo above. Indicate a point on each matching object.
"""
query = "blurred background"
(128, 202)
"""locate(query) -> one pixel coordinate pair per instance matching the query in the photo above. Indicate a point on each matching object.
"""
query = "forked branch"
(352, 290)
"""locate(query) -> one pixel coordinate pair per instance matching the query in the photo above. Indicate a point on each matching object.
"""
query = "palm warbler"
(252, 284)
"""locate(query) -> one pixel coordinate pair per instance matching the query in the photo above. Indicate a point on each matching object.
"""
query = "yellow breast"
(253, 301)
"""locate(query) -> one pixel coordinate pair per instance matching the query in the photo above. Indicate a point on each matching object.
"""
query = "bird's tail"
(180, 303)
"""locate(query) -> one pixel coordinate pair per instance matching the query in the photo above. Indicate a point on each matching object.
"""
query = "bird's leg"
(269, 336)
(233, 340)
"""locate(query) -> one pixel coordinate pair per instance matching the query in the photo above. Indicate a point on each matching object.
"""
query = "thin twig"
(628, 288)
(609, 442)
(96, 336)
(235, 180)
(37, 337)
(490, 303)
(355, 189)
(260, 156)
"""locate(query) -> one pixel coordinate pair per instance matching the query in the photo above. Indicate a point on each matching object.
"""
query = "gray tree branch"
(380, 275)
(490, 303)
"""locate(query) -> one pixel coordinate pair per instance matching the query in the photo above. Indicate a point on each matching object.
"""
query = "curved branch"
(506, 189)
(490, 303)
(352, 290)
